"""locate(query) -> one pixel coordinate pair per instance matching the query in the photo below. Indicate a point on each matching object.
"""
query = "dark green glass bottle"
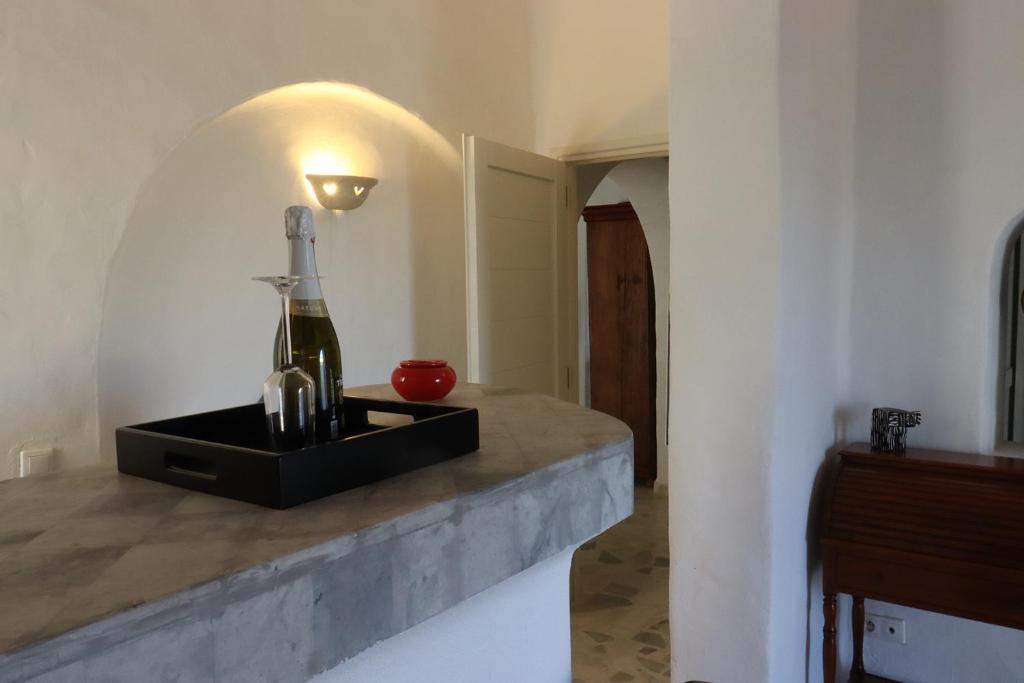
(315, 346)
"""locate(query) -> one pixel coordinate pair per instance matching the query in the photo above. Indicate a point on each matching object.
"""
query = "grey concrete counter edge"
(294, 616)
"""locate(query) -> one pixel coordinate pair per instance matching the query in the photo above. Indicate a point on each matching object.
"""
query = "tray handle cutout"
(393, 419)
(190, 466)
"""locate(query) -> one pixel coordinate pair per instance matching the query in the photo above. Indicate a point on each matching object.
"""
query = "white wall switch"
(37, 461)
(885, 628)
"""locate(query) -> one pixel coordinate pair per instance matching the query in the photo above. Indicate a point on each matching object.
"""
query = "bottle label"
(309, 308)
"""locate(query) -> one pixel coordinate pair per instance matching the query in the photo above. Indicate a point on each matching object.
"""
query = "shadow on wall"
(183, 327)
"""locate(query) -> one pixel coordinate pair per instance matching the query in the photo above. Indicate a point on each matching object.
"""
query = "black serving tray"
(228, 452)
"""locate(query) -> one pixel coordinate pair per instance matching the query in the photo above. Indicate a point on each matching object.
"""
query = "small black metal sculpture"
(889, 428)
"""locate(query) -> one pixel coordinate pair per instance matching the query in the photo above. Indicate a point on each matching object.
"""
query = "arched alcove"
(184, 329)
(1009, 293)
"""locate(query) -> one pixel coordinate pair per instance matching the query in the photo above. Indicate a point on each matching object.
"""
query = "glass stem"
(286, 320)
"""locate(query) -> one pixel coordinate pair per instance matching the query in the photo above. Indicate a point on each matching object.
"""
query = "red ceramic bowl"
(423, 380)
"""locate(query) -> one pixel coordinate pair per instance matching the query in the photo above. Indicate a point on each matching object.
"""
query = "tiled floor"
(620, 599)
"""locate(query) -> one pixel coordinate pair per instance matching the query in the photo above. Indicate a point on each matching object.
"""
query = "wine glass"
(289, 394)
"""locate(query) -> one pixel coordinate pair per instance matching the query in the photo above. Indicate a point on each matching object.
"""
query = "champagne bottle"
(315, 346)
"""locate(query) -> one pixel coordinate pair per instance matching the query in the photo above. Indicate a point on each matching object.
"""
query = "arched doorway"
(644, 184)
(620, 628)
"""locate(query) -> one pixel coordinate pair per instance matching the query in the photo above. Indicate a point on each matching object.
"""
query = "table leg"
(828, 646)
(858, 636)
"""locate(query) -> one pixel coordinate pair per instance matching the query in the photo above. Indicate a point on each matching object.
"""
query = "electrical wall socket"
(885, 628)
(36, 461)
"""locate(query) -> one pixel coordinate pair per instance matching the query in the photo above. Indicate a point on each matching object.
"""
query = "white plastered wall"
(894, 177)
(514, 632)
(599, 73)
(725, 246)
(815, 165)
(937, 109)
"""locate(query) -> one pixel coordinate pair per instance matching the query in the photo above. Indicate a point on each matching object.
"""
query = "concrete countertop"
(108, 577)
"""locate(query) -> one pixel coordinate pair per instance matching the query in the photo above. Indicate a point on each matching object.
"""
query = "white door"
(521, 287)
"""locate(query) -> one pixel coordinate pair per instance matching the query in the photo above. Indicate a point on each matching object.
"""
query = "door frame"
(567, 380)
(569, 300)
(644, 147)
(575, 158)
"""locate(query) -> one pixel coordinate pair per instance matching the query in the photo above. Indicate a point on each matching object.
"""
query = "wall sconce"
(341, 192)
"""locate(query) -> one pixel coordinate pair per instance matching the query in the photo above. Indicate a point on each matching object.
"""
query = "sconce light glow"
(336, 128)
(340, 192)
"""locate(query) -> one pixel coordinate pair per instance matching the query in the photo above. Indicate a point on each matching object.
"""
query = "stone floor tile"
(615, 588)
(620, 628)
(651, 639)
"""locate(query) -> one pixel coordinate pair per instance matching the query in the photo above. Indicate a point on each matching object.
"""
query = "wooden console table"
(935, 530)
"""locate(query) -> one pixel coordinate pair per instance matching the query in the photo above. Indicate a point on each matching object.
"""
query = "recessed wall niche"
(184, 329)
(1010, 408)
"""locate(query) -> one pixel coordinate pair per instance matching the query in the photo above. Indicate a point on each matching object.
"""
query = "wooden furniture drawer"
(932, 588)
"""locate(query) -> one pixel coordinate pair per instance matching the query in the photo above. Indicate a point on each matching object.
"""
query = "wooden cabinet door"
(621, 306)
